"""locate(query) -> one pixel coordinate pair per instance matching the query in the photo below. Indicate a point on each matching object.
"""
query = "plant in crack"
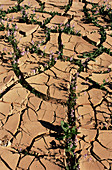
(24, 17)
(69, 136)
(67, 7)
(32, 18)
(2, 14)
(2, 27)
(19, 1)
(42, 6)
(70, 131)
(47, 35)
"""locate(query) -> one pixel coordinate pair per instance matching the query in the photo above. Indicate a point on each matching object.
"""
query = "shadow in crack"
(54, 145)
(110, 85)
(50, 126)
(61, 86)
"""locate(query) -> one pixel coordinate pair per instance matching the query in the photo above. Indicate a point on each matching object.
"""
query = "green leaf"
(74, 147)
(101, 86)
(72, 153)
(67, 149)
(64, 126)
(104, 81)
(74, 130)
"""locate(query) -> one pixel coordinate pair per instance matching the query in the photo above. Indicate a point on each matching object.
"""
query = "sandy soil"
(28, 123)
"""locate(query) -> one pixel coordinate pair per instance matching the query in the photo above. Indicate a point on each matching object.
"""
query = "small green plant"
(70, 143)
(24, 17)
(2, 14)
(2, 28)
(32, 18)
(42, 6)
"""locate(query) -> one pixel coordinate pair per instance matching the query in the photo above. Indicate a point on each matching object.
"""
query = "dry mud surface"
(29, 123)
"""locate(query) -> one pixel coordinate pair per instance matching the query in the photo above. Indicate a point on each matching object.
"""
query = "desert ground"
(55, 67)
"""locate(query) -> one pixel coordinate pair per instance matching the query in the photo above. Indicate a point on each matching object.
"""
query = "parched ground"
(30, 123)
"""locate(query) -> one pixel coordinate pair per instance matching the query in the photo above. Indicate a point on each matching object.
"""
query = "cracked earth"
(30, 123)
